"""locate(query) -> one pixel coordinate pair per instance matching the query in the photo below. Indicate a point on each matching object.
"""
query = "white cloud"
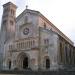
(21, 4)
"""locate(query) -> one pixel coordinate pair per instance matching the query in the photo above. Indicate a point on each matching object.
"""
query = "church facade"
(32, 41)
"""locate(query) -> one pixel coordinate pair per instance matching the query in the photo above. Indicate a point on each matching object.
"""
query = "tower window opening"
(12, 12)
(5, 10)
(4, 22)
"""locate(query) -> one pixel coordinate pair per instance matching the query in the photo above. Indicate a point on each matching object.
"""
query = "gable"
(27, 16)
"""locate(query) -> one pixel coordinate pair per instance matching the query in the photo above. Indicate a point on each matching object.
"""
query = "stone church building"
(32, 41)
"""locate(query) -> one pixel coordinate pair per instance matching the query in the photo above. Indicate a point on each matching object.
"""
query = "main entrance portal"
(25, 63)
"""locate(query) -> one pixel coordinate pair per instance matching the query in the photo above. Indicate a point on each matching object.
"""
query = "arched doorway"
(47, 63)
(25, 62)
(22, 61)
(9, 64)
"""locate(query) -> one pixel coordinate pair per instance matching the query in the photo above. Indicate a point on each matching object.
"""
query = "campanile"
(8, 21)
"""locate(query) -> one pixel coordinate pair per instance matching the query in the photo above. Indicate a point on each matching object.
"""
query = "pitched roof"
(42, 16)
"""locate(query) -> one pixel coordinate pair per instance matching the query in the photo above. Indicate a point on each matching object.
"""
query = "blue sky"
(60, 12)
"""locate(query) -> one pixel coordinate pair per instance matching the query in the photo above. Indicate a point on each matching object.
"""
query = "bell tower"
(8, 25)
(8, 21)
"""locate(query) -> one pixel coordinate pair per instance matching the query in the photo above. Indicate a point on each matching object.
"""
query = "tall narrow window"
(33, 42)
(29, 44)
(61, 52)
(26, 19)
(46, 41)
(23, 44)
(70, 54)
(12, 12)
(66, 56)
(17, 45)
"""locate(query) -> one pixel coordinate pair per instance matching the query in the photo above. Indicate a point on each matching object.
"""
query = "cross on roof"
(26, 6)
